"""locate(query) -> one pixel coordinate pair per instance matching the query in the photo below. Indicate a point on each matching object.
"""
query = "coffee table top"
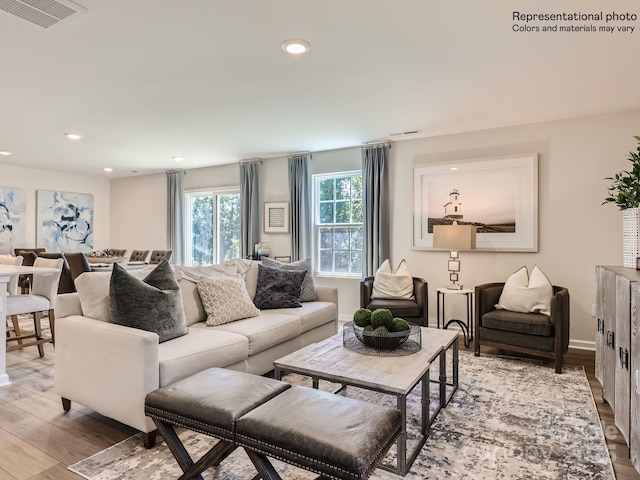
(330, 360)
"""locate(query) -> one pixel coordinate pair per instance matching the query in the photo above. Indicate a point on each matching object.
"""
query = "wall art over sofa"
(13, 212)
(64, 221)
(499, 195)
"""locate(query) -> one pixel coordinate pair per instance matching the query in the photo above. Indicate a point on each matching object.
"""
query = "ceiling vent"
(402, 134)
(49, 14)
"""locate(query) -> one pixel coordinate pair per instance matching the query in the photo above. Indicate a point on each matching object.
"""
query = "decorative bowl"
(380, 340)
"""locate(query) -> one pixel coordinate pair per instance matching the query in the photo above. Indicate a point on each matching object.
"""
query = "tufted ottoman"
(334, 436)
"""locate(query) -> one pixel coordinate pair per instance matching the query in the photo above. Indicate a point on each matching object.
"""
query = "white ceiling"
(146, 80)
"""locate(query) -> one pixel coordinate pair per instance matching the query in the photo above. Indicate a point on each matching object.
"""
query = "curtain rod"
(299, 154)
(250, 161)
(376, 144)
(176, 170)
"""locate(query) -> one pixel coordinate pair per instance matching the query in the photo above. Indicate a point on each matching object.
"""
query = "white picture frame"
(276, 217)
(499, 195)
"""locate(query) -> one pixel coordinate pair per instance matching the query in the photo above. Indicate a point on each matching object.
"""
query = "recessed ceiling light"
(108, 169)
(453, 168)
(73, 136)
(5, 153)
(295, 46)
(178, 159)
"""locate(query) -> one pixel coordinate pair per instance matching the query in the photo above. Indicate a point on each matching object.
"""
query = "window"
(212, 228)
(338, 228)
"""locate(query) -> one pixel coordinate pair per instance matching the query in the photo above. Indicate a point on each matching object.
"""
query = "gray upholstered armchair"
(415, 311)
(533, 333)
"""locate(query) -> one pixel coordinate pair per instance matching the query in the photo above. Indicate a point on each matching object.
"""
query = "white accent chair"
(41, 299)
(12, 286)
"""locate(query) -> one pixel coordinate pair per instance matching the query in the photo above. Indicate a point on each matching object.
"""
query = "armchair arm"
(487, 295)
(107, 367)
(366, 289)
(421, 294)
(560, 316)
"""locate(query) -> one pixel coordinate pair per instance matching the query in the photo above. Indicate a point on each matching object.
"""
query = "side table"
(466, 327)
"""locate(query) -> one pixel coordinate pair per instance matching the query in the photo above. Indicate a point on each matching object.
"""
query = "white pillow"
(93, 293)
(225, 299)
(393, 285)
(525, 294)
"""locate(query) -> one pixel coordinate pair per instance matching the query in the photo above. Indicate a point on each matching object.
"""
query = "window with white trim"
(338, 230)
(212, 226)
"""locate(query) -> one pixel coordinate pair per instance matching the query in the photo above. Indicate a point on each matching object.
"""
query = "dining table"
(6, 272)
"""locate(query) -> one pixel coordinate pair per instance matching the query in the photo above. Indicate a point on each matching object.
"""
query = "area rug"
(509, 419)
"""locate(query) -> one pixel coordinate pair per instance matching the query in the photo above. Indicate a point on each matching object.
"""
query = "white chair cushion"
(388, 284)
(524, 293)
(17, 304)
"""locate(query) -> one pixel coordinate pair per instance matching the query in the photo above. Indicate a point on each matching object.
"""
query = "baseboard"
(582, 345)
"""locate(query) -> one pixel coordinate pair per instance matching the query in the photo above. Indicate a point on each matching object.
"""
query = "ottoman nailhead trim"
(179, 420)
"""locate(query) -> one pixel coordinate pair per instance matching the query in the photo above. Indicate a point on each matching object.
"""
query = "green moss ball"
(369, 328)
(399, 325)
(381, 330)
(381, 317)
(362, 317)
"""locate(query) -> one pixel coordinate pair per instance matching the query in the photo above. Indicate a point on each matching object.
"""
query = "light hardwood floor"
(38, 440)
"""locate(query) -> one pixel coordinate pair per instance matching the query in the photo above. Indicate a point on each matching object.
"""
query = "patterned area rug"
(509, 419)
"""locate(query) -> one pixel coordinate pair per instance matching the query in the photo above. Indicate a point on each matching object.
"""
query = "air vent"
(49, 14)
(400, 134)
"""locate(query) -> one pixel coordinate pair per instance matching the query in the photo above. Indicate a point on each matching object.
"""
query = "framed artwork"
(499, 195)
(13, 213)
(276, 217)
(64, 221)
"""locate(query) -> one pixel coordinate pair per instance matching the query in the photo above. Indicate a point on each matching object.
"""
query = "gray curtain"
(249, 207)
(375, 204)
(300, 199)
(175, 215)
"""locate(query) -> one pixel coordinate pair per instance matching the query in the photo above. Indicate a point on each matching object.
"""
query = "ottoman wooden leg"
(263, 465)
(214, 456)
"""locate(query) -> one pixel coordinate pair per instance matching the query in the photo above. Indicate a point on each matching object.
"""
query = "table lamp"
(455, 238)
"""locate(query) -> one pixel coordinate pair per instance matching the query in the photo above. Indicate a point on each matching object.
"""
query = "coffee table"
(329, 360)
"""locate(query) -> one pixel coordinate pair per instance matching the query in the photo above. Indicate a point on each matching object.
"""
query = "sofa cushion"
(278, 288)
(388, 284)
(201, 349)
(153, 304)
(308, 288)
(225, 299)
(264, 331)
(312, 314)
(522, 293)
(518, 322)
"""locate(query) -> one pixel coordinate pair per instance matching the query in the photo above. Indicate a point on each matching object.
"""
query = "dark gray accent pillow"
(278, 288)
(153, 304)
(308, 292)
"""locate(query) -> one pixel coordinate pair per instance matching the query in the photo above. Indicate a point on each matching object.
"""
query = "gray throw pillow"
(308, 291)
(278, 288)
(153, 303)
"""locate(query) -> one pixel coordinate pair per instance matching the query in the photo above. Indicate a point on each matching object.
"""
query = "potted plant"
(625, 193)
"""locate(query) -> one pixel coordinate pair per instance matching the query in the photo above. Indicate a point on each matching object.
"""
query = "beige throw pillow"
(225, 299)
(524, 293)
(388, 284)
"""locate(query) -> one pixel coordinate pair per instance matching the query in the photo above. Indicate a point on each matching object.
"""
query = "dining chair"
(158, 255)
(78, 264)
(29, 256)
(139, 255)
(41, 299)
(12, 286)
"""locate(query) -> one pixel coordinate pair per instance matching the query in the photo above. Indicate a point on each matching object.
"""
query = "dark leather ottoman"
(334, 436)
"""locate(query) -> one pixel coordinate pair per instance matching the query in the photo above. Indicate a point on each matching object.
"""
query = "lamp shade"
(455, 238)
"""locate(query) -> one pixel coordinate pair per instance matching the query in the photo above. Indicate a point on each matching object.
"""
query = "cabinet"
(618, 349)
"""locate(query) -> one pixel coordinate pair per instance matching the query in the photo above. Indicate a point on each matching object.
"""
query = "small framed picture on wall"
(276, 217)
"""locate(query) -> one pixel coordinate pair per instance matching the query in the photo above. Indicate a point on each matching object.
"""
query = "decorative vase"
(630, 222)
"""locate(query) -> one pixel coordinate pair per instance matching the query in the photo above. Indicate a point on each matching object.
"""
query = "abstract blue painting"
(64, 221)
(13, 212)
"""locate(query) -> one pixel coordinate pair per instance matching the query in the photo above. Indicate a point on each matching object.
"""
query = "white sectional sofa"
(110, 368)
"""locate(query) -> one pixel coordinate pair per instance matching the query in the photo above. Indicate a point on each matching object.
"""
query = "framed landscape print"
(499, 195)
(13, 213)
(64, 221)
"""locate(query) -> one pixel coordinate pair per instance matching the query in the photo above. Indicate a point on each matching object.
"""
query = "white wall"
(32, 180)
(575, 231)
